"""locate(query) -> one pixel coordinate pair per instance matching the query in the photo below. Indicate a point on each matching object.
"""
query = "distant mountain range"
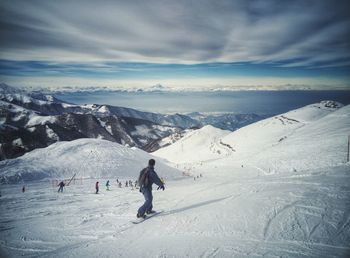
(166, 88)
(30, 120)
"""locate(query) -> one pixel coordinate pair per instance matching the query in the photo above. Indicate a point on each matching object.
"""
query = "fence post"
(348, 148)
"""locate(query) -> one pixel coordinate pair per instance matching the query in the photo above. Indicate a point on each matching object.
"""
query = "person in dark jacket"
(97, 187)
(61, 185)
(147, 178)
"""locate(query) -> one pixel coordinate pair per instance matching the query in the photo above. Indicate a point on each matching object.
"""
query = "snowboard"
(148, 216)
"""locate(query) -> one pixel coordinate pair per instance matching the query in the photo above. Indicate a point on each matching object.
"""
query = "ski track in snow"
(222, 222)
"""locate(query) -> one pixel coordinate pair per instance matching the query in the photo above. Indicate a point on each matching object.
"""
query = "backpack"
(143, 178)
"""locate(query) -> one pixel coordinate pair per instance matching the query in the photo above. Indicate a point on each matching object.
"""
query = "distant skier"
(97, 187)
(126, 184)
(147, 177)
(107, 185)
(23, 189)
(61, 185)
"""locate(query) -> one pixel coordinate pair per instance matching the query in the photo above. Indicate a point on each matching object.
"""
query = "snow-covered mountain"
(312, 136)
(29, 121)
(23, 129)
(49, 105)
(275, 188)
(87, 158)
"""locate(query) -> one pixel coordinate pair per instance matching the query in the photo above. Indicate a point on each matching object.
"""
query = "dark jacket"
(152, 178)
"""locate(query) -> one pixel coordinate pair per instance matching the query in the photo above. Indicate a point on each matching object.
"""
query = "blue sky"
(180, 44)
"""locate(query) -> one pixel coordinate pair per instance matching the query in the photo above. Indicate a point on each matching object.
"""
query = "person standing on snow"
(107, 185)
(61, 185)
(147, 177)
(96, 187)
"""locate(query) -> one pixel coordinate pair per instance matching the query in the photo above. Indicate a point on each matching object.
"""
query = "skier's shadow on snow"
(194, 206)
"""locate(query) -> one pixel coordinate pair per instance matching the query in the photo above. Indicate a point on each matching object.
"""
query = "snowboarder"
(97, 187)
(107, 185)
(61, 185)
(147, 177)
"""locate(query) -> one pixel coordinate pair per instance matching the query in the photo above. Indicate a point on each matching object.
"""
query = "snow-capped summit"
(314, 111)
(198, 145)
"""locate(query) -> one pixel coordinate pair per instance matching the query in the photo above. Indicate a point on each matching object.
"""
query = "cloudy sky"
(176, 43)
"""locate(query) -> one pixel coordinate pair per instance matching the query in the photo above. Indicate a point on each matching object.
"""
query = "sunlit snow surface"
(236, 214)
(276, 188)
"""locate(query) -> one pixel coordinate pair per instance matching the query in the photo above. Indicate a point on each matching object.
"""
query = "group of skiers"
(128, 183)
(198, 176)
(146, 179)
(97, 185)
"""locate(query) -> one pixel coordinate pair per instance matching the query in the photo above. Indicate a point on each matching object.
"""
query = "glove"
(161, 187)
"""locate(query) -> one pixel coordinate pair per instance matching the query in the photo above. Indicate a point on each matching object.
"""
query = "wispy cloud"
(176, 31)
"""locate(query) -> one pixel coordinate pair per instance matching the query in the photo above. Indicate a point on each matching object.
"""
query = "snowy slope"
(198, 145)
(241, 215)
(88, 158)
(232, 211)
(260, 136)
(210, 143)
(314, 136)
(320, 143)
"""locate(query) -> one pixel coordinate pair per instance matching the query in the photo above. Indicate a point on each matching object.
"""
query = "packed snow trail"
(240, 213)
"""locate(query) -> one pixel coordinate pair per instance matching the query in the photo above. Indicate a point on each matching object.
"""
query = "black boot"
(140, 216)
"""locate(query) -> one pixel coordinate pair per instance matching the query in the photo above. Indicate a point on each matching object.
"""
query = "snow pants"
(60, 189)
(147, 206)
